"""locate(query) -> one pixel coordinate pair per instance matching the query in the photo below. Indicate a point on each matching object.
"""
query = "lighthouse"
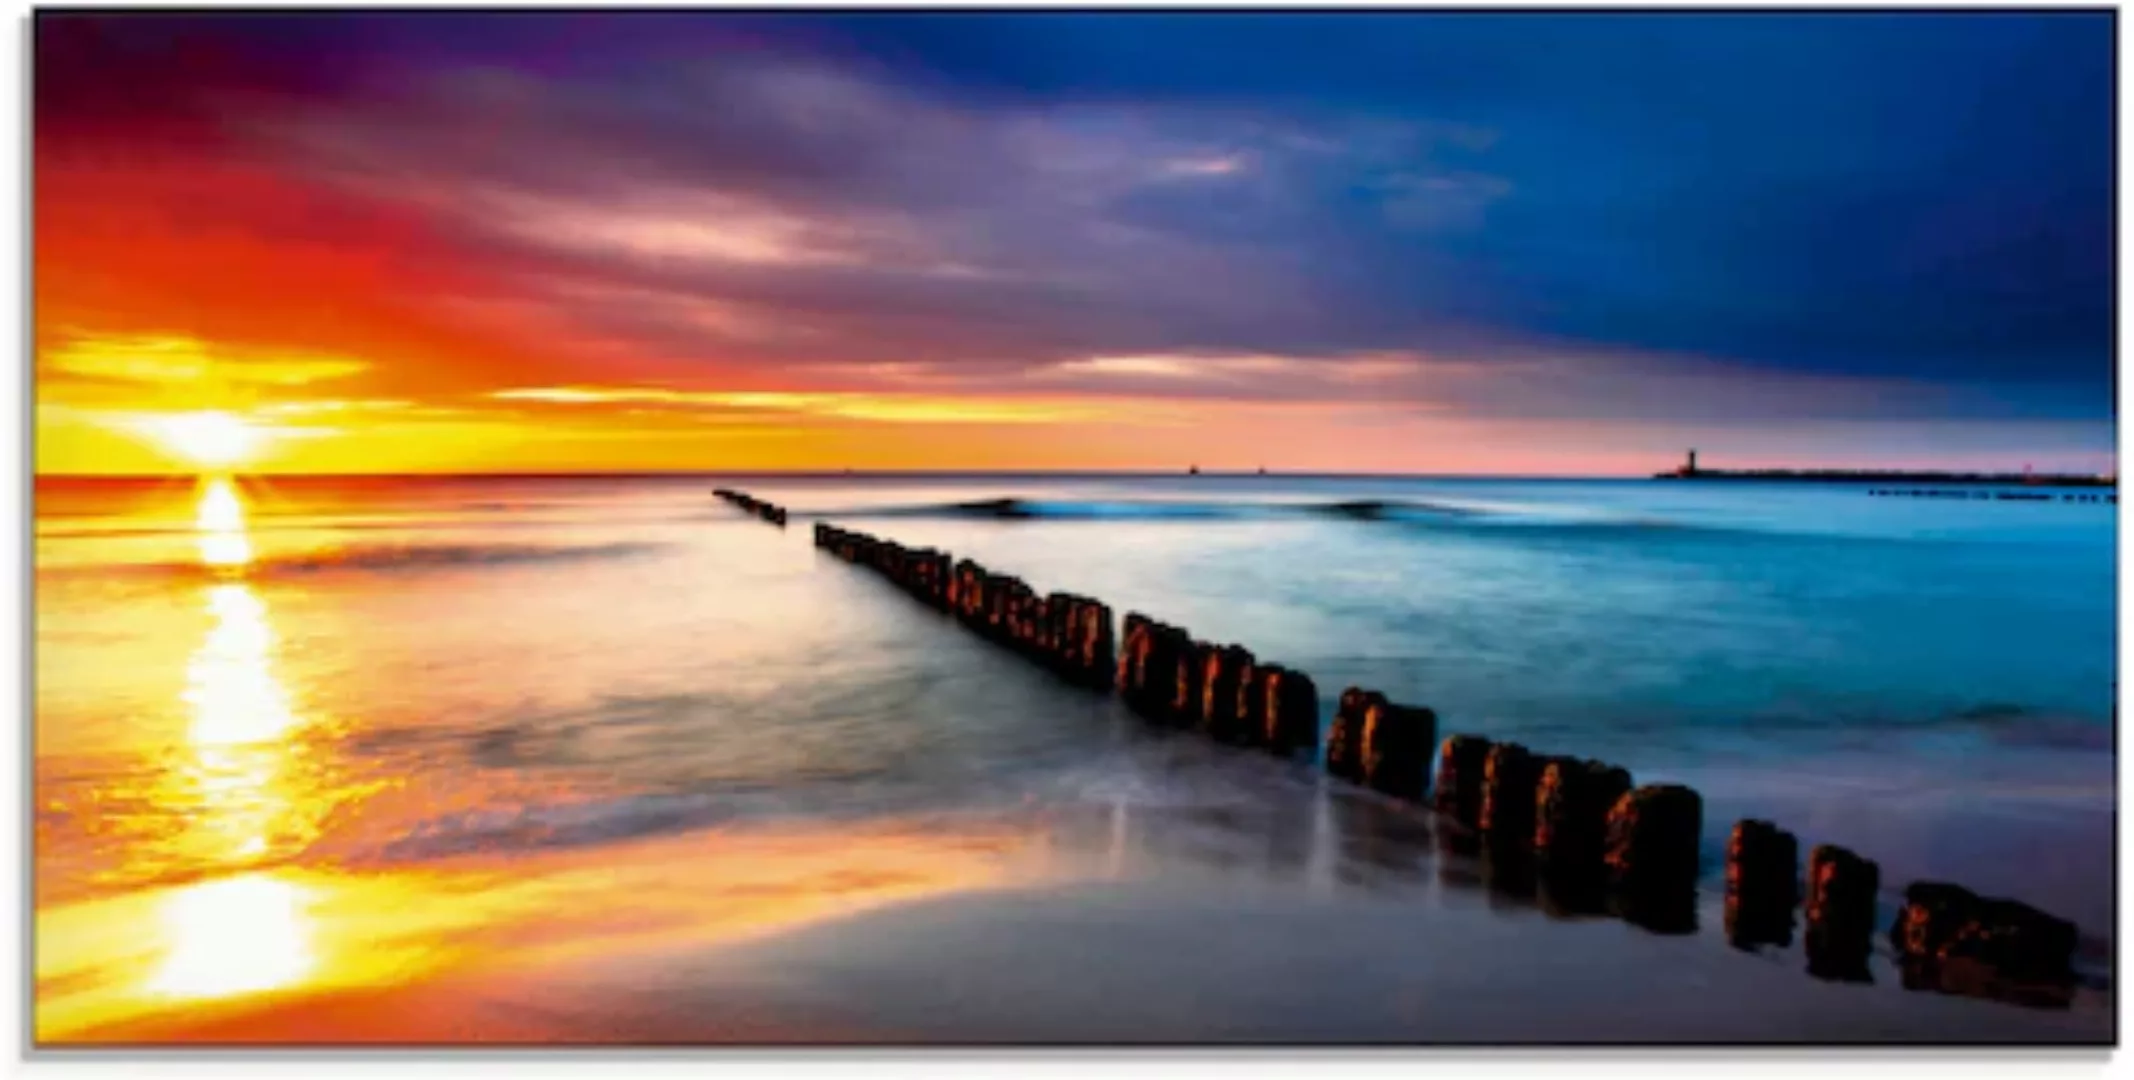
(1689, 468)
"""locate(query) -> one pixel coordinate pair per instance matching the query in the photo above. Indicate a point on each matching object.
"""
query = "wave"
(558, 825)
(187, 528)
(1415, 512)
(1129, 509)
(1408, 512)
(372, 560)
(1402, 510)
(1018, 508)
(624, 817)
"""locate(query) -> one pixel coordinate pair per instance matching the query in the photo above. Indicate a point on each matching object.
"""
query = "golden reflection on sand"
(265, 943)
(274, 957)
(234, 936)
(193, 950)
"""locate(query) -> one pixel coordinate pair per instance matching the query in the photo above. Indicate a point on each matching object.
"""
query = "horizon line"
(540, 474)
(1807, 474)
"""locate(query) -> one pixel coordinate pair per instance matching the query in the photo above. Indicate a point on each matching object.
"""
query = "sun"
(212, 438)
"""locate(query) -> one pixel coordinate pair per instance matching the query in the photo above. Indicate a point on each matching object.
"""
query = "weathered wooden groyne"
(1069, 634)
(770, 512)
(1580, 831)
(1174, 680)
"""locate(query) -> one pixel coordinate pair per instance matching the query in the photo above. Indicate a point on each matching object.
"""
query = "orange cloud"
(887, 408)
(149, 358)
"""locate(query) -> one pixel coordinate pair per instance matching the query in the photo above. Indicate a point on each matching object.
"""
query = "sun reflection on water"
(230, 684)
(247, 933)
(220, 522)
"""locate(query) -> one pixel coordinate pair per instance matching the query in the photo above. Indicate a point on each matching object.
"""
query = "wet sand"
(1319, 917)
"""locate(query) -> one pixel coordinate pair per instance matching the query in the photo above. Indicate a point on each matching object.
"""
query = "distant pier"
(1998, 496)
(1914, 483)
(1872, 476)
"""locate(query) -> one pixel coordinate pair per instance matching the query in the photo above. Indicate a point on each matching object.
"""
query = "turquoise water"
(459, 665)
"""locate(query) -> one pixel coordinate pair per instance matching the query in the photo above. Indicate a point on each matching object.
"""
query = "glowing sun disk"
(211, 438)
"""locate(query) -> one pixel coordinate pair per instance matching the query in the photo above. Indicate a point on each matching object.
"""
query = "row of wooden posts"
(1069, 634)
(770, 512)
(1578, 829)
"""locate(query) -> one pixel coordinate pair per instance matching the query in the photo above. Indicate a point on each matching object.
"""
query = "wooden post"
(1841, 913)
(1397, 741)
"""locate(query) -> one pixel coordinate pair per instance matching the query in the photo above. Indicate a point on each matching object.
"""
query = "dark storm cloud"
(1926, 195)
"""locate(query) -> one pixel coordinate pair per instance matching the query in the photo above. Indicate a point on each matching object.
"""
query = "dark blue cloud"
(1920, 194)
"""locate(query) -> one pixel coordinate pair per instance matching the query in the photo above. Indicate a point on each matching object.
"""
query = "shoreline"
(1320, 918)
(866, 475)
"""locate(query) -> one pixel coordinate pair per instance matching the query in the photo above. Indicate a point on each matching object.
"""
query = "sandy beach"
(1138, 925)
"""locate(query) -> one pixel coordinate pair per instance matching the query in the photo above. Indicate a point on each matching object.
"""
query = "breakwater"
(2000, 496)
(1070, 635)
(1690, 471)
(1578, 835)
(769, 512)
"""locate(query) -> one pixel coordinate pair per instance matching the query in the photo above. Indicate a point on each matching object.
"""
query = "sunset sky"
(1444, 243)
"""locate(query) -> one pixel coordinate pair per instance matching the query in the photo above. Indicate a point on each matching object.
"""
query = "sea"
(241, 682)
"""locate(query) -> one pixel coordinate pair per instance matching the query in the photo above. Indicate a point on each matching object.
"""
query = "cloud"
(879, 408)
(1667, 221)
(174, 361)
(340, 407)
(869, 221)
(1223, 165)
(1435, 201)
(1302, 378)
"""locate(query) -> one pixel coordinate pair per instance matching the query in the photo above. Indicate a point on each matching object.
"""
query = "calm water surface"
(257, 699)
